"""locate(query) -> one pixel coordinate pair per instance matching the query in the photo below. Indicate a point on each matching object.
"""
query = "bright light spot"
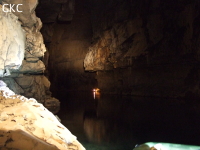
(95, 92)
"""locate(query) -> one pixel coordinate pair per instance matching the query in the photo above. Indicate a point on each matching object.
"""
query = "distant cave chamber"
(123, 47)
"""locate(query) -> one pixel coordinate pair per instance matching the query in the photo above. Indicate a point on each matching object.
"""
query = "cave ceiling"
(51, 11)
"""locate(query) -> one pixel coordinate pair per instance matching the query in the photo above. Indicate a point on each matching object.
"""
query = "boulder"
(26, 124)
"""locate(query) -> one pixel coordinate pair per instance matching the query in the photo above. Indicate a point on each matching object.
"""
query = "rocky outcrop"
(27, 124)
(32, 67)
(12, 43)
(22, 51)
(34, 41)
(116, 46)
(27, 11)
(145, 48)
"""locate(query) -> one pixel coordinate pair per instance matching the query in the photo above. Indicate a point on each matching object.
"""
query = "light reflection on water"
(112, 122)
(96, 93)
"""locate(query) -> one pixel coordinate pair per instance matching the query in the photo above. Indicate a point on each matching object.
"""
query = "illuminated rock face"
(26, 124)
(27, 16)
(145, 48)
(22, 50)
(117, 46)
(12, 43)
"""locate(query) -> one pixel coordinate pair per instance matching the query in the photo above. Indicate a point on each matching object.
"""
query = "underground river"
(111, 122)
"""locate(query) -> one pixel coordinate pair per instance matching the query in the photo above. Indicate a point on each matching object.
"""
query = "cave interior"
(131, 66)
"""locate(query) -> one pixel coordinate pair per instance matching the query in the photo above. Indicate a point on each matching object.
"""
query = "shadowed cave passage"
(137, 48)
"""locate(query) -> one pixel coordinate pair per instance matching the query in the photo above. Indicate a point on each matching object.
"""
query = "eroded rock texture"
(12, 43)
(147, 48)
(27, 16)
(22, 50)
(27, 124)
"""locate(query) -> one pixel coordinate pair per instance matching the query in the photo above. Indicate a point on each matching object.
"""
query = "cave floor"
(111, 122)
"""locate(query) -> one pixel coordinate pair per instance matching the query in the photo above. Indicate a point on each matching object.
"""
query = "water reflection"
(105, 131)
(123, 122)
(95, 130)
(138, 120)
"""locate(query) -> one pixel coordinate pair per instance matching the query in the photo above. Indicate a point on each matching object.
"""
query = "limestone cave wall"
(22, 53)
(67, 42)
(146, 48)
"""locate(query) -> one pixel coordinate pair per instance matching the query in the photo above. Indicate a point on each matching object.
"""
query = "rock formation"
(67, 42)
(146, 48)
(26, 124)
(22, 50)
(12, 42)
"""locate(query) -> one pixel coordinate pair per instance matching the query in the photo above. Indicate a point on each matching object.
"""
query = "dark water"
(111, 122)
